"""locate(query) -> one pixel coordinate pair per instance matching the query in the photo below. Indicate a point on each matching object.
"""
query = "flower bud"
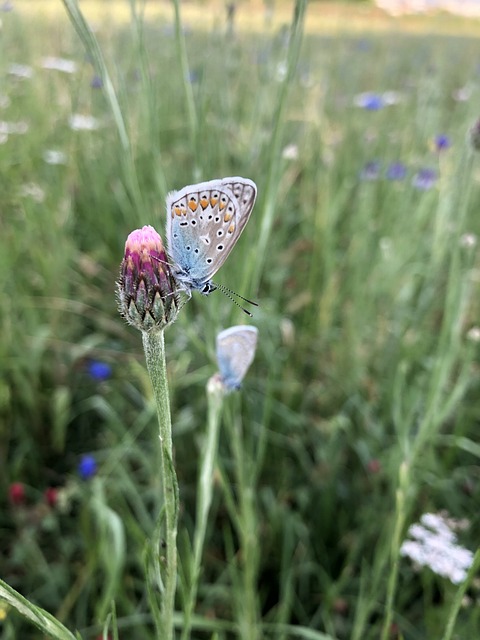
(146, 290)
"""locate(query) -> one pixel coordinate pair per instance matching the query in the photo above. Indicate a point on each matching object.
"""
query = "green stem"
(43, 620)
(204, 497)
(154, 346)
(401, 514)
(254, 272)
(459, 596)
(249, 615)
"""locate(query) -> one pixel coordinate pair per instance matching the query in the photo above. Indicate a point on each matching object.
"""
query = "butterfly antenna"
(230, 294)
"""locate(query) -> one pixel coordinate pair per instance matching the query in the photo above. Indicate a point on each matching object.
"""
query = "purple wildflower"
(87, 467)
(369, 101)
(146, 289)
(96, 82)
(396, 171)
(370, 171)
(424, 179)
(6, 7)
(99, 371)
(442, 142)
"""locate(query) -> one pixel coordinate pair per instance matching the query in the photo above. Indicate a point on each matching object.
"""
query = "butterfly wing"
(235, 352)
(204, 221)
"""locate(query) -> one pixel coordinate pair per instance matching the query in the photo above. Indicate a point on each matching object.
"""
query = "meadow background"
(361, 410)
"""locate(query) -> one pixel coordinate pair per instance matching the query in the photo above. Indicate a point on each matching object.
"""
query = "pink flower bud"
(146, 290)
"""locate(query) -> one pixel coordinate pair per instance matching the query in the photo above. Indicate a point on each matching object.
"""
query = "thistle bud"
(146, 290)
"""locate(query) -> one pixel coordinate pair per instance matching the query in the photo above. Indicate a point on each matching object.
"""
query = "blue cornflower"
(87, 467)
(370, 171)
(396, 171)
(369, 101)
(96, 82)
(442, 142)
(99, 371)
(424, 179)
(193, 76)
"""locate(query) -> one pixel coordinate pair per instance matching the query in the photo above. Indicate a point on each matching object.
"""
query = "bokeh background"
(360, 413)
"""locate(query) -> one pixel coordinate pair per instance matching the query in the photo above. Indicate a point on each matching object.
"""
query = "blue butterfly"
(235, 352)
(204, 221)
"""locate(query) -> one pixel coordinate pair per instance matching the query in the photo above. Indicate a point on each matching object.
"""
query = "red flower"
(51, 496)
(16, 493)
(374, 466)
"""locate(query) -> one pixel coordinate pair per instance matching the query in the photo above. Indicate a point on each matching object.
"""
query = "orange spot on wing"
(193, 205)
(204, 203)
(178, 211)
(228, 217)
(213, 201)
(222, 205)
(231, 228)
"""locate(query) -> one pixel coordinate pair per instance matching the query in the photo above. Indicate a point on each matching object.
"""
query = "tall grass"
(360, 412)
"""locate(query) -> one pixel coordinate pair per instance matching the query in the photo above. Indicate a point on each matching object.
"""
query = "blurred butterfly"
(235, 352)
(204, 222)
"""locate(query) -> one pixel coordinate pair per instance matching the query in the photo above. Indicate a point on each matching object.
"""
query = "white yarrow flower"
(433, 544)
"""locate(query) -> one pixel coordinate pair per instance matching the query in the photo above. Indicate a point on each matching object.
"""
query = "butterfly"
(235, 352)
(204, 222)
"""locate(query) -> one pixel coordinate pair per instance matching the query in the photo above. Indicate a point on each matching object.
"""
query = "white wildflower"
(22, 71)
(79, 122)
(59, 64)
(392, 97)
(473, 334)
(290, 152)
(32, 190)
(468, 240)
(462, 94)
(434, 545)
(386, 247)
(8, 128)
(52, 156)
(281, 72)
